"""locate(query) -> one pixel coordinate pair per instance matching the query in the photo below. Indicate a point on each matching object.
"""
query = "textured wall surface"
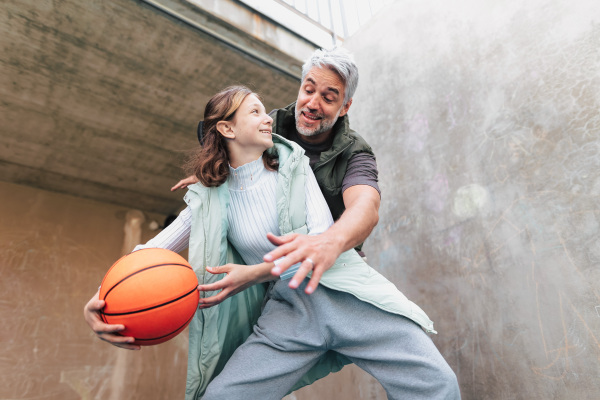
(54, 252)
(485, 120)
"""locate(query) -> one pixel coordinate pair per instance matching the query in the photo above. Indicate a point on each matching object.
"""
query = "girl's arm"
(239, 278)
(175, 237)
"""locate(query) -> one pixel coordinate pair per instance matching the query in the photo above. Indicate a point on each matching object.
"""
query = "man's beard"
(323, 126)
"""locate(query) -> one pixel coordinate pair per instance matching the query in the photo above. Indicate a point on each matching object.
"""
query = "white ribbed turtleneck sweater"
(252, 213)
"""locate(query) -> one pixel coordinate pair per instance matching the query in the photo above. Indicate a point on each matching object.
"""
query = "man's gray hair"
(341, 61)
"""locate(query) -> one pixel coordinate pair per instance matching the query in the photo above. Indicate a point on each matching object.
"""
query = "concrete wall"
(54, 251)
(101, 99)
(484, 118)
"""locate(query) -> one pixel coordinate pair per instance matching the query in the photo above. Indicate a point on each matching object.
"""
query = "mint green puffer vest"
(216, 332)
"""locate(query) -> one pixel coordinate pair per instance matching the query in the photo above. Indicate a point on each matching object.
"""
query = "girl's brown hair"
(210, 163)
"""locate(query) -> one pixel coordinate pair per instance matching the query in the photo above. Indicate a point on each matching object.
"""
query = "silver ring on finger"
(310, 261)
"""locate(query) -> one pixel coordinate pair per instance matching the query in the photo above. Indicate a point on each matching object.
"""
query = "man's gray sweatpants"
(295, 329)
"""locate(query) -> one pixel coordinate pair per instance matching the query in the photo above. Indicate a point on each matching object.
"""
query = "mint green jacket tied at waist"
(216, 332)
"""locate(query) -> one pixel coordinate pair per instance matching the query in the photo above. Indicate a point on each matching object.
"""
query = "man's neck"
(313, 151)
(320, 138)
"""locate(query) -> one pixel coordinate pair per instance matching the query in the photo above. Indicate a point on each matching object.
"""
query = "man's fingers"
(314, 281)
(182, 184)
(296, 248)
(288, 251)
(279, 240)
(283, 264)
(302, 272)
(281, 250)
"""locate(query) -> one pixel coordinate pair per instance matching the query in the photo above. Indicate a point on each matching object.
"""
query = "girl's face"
(252, 126)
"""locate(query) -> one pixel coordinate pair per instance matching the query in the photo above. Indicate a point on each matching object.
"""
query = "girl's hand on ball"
(106, 332)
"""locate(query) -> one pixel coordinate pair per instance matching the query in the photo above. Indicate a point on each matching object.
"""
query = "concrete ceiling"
(101, 99)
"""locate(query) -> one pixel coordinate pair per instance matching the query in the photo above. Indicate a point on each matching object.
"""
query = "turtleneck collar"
(246, 176)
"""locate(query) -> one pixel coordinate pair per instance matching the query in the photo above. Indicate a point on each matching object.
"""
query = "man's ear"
(345, 108)
(225, 128)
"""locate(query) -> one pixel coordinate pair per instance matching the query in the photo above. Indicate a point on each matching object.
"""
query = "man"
(396, 351)
(342, 161)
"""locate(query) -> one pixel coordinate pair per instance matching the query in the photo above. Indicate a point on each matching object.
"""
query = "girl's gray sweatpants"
(295, 329)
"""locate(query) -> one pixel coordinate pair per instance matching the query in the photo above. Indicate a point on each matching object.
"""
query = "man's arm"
(351, 229)
(360, 218)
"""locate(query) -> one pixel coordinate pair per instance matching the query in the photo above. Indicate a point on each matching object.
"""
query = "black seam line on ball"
(142, 270)
(153, 307)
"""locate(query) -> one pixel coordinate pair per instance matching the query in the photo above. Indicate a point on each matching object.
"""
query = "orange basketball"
(153, 292)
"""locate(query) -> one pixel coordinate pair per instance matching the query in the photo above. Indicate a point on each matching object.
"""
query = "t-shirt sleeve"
(361, 170)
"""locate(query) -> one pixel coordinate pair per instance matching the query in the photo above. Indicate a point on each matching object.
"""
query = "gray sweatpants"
(295, 329)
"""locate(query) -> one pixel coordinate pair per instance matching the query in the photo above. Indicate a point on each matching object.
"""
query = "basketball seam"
(142, 270)
(153, 307)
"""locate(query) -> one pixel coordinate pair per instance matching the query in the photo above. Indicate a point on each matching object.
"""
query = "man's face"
(320, 103)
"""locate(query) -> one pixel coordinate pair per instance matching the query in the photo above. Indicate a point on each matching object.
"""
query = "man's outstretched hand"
(316, 253)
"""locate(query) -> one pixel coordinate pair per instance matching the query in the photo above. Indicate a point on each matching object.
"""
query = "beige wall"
(54, 251)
